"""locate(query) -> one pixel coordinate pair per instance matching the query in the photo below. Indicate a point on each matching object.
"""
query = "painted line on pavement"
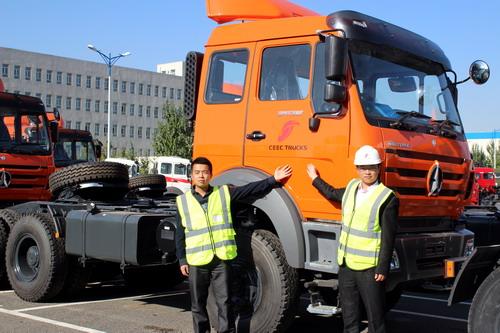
(50, 321)
(146, 296)
(430, 315)
(6, 291)
(431, 299)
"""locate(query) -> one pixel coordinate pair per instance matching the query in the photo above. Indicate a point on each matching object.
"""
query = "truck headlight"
(469, 247)
(394, 261)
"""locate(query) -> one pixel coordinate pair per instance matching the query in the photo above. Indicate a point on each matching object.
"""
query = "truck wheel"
(265, 290)
(105, 172)
(7, 219)
(35, 260)
(153, 181)
(484, 313)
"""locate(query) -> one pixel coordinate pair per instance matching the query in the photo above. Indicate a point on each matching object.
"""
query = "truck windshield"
(23, 132)
(399, 89)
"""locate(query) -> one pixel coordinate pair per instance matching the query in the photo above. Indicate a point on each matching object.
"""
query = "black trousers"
(215, 274)
(361, 285)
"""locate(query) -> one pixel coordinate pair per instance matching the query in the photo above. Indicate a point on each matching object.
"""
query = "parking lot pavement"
(114, 308)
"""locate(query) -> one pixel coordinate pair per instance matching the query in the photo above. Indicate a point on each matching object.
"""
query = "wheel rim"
(27, 259)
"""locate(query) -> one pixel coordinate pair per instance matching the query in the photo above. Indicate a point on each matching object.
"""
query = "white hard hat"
(367, 155)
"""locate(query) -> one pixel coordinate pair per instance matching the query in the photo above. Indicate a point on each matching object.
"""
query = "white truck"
(176, 171)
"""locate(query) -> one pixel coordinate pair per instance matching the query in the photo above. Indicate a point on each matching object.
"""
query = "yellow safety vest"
(360, 239)
(210, 232)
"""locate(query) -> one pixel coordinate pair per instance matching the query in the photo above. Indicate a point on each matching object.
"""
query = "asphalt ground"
(112, 307)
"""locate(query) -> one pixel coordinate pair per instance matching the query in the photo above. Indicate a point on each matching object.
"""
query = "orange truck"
(25, 149)
(284, 85)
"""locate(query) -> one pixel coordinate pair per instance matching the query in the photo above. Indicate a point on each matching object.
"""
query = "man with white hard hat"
(369, 223)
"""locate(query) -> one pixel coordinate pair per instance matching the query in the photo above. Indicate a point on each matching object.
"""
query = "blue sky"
(162, 31)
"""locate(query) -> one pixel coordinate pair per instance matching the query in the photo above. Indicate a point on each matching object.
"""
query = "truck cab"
(176, 171)
(75, 146)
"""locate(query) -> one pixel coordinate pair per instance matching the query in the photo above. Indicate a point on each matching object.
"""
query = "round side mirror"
(479, 72)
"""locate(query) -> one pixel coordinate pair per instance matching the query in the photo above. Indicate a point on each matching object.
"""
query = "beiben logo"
(5, 178)
(434, 180)
(287, 129)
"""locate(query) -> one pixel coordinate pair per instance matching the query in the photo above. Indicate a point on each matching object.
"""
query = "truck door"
(222, 103)
(277, 127)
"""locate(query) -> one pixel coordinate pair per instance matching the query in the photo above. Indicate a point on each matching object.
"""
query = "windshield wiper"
(439, 130)
(401, 124)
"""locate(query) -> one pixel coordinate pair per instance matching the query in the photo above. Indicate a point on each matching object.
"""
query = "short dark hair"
(202, 160)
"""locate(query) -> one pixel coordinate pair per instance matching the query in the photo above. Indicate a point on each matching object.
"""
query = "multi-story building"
(79, 89)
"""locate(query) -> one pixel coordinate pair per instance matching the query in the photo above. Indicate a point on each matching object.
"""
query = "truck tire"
(153, 181)
(265, 290)
(7, 219)
(35, 259)
(107, 172)
(484, 313)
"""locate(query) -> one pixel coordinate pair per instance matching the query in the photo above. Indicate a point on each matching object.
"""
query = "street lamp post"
(109, 61)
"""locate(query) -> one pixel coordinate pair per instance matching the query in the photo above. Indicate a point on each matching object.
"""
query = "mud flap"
(473, 272)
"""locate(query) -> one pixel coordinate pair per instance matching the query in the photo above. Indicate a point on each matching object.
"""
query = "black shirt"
(388, 221)
(243, 193)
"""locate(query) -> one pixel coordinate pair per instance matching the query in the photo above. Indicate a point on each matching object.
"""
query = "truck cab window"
(226, 78)
(285, 73)
(166, 168)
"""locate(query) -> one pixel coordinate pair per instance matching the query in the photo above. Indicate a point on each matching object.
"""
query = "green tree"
(489, 154)
(479, 156)
(174, 136)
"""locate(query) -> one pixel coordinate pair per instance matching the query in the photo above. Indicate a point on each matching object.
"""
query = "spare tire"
(110, 173)
(151, 181)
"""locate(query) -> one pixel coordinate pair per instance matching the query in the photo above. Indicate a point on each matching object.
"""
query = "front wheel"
(484, 313)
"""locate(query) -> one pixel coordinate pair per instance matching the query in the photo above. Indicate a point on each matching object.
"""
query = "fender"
(279, 206)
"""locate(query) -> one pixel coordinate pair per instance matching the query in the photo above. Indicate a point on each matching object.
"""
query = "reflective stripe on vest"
(210, 232)
(360, 238)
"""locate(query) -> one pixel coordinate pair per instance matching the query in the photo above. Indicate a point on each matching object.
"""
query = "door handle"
(256, 136)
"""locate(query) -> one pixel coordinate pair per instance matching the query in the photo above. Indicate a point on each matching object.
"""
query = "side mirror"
(335, 58)
(479, 72)
(54, 133)
(98, 152)
(335, 92)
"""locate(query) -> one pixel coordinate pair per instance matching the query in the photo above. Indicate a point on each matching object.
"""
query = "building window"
(69, 79)
(155, 114)
(78, 125)
(78, 80)
(148, 90)
(115, 107)
(98, 82)
(105, 129)
(5, 70)
(140, 152)
(132, 87)
(114, 130)
(139, 133)
(38, 95)
(87, 104)
(149, 152)
(131, 132)
(156, 91)
(48, 77)
(148, 132)
(68, 124)
(17, 71)
(124, 108)
(87, 127)
(122, 131)
(78, 103)
(48, 101)
(88, 83)
(58, 102)
(124, 86)
(148, 111)
(141, 88)
(27, 93)
(106, 105)
(27, 73)
(164, 92)
(97, 128)
(59, 78)
(155, 132)
(115, 85)
(68, 103)
(139, 112)
(97, 105)
(132, 109)
(38, 74)
(106, 84)
(179, 93)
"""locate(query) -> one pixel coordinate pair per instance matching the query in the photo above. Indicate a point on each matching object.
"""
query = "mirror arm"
(460, 82)
(322, 34)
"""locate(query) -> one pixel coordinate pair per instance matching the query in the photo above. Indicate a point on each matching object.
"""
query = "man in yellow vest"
(205, 239)
(369, 224)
